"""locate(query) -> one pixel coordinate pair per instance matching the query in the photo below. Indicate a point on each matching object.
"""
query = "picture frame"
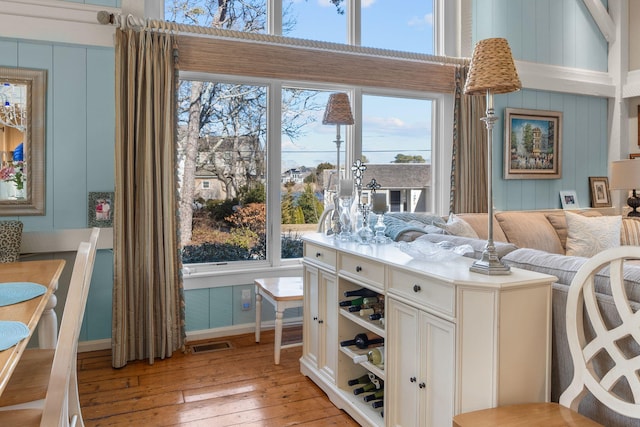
(634, 155)
(100, 209)
(599, 192)
(533, 144)
(569, 199)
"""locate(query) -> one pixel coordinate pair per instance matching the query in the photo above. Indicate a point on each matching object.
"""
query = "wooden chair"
(27, 388)
(583, 310)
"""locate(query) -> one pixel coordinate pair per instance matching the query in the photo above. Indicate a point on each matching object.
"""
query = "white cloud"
(324, 3)
(417, 21)
(367, 3)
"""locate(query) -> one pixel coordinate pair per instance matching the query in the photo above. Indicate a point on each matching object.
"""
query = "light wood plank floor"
(234, 387)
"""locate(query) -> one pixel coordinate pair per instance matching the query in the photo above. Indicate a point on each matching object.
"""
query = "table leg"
(278, 338)
(258, 314)
(48, 325)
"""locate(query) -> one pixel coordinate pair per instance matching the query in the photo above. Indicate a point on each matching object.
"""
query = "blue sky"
(394, 125)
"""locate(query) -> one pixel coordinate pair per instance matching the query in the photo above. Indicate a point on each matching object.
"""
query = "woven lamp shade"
(338, 111)
(492, 68)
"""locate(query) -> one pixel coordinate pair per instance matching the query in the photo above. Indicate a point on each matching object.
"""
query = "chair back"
(10, 240)
(55, 410)
(605, 354)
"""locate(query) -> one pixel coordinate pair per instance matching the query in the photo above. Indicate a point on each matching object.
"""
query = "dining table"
(32, 311)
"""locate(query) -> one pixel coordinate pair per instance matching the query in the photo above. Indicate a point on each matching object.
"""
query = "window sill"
(213, 276)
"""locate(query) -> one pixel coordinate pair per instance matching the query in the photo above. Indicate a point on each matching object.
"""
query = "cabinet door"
(328, 325)
(310, 338)
(437, 377)
(402, 368)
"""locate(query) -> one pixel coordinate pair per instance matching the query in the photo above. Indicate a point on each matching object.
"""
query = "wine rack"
(349, 325)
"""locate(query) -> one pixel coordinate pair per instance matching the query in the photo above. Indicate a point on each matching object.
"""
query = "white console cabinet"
(455, 341)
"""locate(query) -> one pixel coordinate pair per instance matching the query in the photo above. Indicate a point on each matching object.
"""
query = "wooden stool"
(283, 293)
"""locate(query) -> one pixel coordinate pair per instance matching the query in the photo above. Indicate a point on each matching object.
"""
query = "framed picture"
(569, 199)
(100, 209)
(634, 155)
(533, 144)
(599, 191)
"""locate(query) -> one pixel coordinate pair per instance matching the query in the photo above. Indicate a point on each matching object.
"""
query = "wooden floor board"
(239, 386)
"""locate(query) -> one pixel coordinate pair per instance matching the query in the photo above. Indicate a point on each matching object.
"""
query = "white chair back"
(55, 412)
(607, 342)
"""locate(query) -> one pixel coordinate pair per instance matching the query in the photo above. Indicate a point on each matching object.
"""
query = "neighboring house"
(292, 175)
(407, 185)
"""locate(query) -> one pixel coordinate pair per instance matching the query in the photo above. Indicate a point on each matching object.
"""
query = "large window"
(256, 163)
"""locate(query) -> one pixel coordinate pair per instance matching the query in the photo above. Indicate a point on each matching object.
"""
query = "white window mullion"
(274, 160)
(354, 22)
(274, 17)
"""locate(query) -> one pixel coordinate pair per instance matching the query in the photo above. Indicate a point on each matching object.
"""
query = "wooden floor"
(234, 387)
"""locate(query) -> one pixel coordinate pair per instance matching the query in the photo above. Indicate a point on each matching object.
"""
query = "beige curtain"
(148, 304)
(469, 162)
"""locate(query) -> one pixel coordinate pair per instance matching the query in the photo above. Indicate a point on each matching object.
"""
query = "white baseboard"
(205, 334)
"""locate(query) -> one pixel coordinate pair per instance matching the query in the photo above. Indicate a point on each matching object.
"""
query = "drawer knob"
(315, 317)
(320, 321)
(422, 385)
(416, 288)
(318, 254)
(412, 379)
(358, 268)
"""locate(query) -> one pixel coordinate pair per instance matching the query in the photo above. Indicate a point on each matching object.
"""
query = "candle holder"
(345, 219)
(379, 229)
(365, 233)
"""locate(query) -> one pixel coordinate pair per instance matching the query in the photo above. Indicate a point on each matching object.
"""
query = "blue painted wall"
(556, 33)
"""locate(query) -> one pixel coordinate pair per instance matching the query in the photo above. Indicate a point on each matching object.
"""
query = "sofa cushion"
(478, 221)
(478, 245)
(630, 232)
(458, 227)
(559, 222)
(588, 236)
(565, 267)
(529, 230)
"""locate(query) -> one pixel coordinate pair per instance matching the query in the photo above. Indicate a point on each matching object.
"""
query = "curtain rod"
(130, 21)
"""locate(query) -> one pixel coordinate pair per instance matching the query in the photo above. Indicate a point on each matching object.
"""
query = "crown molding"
(55, 21)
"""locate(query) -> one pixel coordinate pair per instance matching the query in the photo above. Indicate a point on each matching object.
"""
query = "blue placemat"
(11, 333)
(15, 292)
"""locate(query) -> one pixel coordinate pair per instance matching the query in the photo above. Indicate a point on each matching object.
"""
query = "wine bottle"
(367, 387)
(362, 292)
(378, 404)
(376, 316)
(363, 341)
(360, 380)
(367, 311)
(352, 302)
(378, 394)
(375, 356)
(365, 304)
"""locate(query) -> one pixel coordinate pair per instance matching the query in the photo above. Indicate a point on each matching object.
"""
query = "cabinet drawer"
(320, 254)
(429, 293)
(368, 270)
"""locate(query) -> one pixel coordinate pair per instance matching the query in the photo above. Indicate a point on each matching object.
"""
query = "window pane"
(308, 161)
(224, 220)
(405, 26)
(396, 146)
(314, 20)
(246, 15)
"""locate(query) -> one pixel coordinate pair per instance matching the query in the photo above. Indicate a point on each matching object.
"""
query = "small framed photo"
(599, 191)
(532, 144)
(100, 210)
(569, 199)
(634, 155)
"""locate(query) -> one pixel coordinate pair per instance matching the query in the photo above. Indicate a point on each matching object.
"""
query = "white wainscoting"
(62, 240)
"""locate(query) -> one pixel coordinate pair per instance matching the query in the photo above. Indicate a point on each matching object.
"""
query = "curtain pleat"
(148, 300)
(469, 160)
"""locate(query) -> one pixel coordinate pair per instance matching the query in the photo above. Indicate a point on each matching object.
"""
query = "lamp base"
(490, 264)
(634, 203)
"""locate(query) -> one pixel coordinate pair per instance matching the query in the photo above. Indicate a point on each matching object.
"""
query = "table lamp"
(625, 175)
(492, 71)
(338, 112)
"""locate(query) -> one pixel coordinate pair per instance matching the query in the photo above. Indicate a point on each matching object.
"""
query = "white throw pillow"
(459, 227)
(589, 235)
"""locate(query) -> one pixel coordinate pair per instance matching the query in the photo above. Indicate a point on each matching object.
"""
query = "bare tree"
(235, 114)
